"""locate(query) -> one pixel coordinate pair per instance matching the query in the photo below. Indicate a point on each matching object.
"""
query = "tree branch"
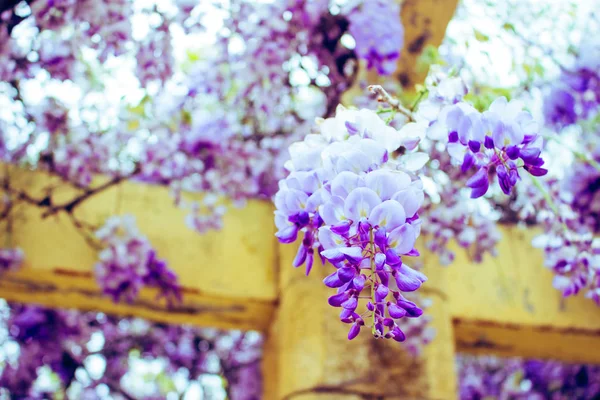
(69, 206)
(384, 97)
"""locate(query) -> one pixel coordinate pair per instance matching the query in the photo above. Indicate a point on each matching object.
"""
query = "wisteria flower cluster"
(74, 344)
(128, 262)
(493, 377)
(500, 140)
(569, 216)
(357, 209)
(354, 195)
(575, 95)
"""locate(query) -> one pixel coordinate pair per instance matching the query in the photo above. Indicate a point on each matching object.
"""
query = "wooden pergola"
(242, 278)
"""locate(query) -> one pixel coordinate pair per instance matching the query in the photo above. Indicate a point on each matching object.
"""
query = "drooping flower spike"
(358, 209)
(497, 142)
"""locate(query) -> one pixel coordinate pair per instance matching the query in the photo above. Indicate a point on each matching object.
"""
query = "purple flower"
(559, 107)
(492, 377)
(500, 140)
(129, 263)
(379, 34)
(10, 259)
(358, 210)
(570, 224)
(357, 248)
(65, 341)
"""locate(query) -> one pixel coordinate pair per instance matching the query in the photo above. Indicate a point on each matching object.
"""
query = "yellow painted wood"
(308, 357)
(513, 340)
(232, 269)
(425, 23)
(63, 289)
(507, 305)
(439, 355)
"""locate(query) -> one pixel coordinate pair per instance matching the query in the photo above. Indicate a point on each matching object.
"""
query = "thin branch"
(84, 228)
(69, 206)
(6, 185)
(384, 97)
(85, 231)
(22, 195)
(7, 211)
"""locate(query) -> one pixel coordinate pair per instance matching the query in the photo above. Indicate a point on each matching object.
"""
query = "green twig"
(549, 200)
(389, 119)
(544, 193)
(587, 159)
(418, 100)
(373, 274)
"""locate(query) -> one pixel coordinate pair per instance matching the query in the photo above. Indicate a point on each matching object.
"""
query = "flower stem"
(587, 159)
(372, 256)
(545, 193)
(389, 119)
(501, 159)
(579, 155)
(419, 98)
(384, 96)
(549, 200)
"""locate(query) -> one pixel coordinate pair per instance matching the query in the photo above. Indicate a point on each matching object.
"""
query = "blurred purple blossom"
(11, 259)
(379, 34)
(66, 341)
(128, 262)
(575, 94)
(482, 377)
(498, 141)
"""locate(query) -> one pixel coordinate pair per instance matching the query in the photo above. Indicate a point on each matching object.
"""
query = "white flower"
(306, 155)
(412, 133)
(364, 123)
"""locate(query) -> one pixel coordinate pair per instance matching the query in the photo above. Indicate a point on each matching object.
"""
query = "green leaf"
(539, 69)
(480, 36)
(509, 27)
(429, 56)
(192, 55)
(482, 97)
(165, 383)
(186, 117)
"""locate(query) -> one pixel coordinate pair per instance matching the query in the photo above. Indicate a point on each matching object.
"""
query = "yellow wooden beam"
(425, 23)
(308, 356)
(507, 306)
(228, 276)
(62, 288)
